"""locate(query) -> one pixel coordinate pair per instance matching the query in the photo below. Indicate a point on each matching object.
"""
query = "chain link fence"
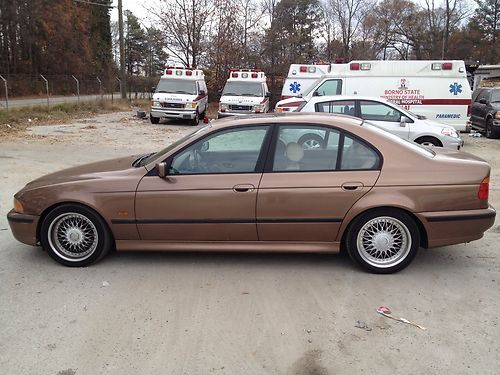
(18, 90)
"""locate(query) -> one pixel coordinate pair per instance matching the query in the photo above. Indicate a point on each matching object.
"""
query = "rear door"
(304, 194)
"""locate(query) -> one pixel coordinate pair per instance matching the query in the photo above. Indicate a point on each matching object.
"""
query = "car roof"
(283, 118)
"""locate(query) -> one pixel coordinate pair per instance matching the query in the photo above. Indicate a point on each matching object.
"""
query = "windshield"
(243, 89)
(414, 146)
(495, 96)
(176, 86)
(149, 158)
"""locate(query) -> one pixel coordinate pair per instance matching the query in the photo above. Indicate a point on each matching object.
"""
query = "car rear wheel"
(490, 130)
(311, 141)
(154, 120)
(75, 235)
(383, 241)
(429, 141)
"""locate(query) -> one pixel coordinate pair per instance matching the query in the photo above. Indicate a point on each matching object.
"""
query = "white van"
(180, 94)
(245, 92)
(438, 90)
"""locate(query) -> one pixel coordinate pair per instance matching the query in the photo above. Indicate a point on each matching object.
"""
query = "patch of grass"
(19, 118)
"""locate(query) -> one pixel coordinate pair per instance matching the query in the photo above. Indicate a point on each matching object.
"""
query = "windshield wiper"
(229, 93)
(248, 94)
(182, 92)
(162, 92)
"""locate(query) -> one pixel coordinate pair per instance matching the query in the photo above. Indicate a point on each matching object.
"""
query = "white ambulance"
(245, 92)
(437, 90)
(180, 94)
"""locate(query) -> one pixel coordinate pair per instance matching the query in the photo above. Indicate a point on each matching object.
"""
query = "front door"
(210, 192)
(306, 192)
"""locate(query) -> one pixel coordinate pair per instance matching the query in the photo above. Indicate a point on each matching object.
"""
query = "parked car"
(485, 114)
(385, 114)
(236, 185)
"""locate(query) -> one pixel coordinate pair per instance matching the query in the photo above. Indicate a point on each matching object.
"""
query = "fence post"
(6, 92)
(77, 88)
(47, 88)
(100, 88)
(119, 80)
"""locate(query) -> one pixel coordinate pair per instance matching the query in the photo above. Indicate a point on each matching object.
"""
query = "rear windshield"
(414, 146)
(243, 89)
(176, 86)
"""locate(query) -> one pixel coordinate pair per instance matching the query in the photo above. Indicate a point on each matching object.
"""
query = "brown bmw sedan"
(257, 184)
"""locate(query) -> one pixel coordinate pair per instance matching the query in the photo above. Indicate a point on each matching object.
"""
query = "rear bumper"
(179, 114)
(23, 227)
(453, 227)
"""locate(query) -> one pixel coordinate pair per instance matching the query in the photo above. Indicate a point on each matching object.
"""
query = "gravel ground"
(189, 313)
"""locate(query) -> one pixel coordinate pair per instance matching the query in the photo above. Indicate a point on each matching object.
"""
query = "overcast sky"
(137, 7)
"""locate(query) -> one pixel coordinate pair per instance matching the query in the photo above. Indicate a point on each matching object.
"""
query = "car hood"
(496, 106)
(241, 100)
(101, 169)
(284, 102)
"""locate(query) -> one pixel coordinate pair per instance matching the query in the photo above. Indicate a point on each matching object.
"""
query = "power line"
(93, 3)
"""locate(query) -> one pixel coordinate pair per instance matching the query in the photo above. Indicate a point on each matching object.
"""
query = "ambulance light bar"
(441, 66)
(360, 66)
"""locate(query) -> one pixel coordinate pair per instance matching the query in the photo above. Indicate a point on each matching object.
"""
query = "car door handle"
(243, 188)
(352, 186)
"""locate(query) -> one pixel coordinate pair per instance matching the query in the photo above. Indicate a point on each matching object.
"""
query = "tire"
(383, 230)
(311, 141)
(70, 221)
(196, 119)
(154, 120)
(429, 141)
(491, 132)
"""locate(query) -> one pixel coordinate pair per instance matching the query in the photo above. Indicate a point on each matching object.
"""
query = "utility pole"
(123, 77)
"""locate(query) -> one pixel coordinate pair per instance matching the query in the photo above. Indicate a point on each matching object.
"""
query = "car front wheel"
(75, 235)
(383, 241)
(429, 141)
(154, 120)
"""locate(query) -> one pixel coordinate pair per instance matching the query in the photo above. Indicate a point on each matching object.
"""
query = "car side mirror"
(483, 101)
(268, 94)
(404, 120)
(315, 93)
(153, 89)
(202, 92)
(162, 169)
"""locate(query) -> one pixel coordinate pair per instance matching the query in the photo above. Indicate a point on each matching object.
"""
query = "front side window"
(342, 107)
(375, 111)
(329, 87)
(228, 151)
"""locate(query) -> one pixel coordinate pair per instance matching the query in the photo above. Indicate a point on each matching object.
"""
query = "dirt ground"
(190, 313)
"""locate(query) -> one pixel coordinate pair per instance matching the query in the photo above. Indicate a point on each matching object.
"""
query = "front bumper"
(23, 227)
(453, 227)
(453, 143)
(175, 113)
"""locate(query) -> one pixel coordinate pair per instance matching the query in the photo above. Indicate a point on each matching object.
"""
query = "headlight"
(18, 206)
(223, 107)
(191, 105)
(258, 108)
(450, 132)
(155, 103)
(497, 115)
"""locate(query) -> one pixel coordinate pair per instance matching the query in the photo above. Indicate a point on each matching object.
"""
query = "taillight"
(469, 110)
(484, 188)
(447, 66)
(354, 66)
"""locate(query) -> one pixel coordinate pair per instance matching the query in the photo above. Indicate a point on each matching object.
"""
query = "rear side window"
(302, 148)
(378, 112)
(342, 107)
